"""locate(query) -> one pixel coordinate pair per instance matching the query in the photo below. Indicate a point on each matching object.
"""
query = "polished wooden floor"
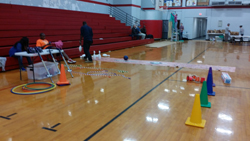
(152, 106)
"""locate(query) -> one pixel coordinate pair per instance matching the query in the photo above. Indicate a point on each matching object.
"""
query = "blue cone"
(211, 71)
(210, 85)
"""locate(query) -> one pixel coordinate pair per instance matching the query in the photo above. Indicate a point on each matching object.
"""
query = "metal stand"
(32, 66)
(174, 36)
(69, 70)
(54, 62)
(49, 75)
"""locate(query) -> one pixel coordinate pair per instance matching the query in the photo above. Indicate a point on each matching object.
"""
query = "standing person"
(87, 34)
(140, 33)
(227, 31)
(175, 21)
(19, 47)
(135, 33)
(241, 33)
(181, 31)
(43, 43)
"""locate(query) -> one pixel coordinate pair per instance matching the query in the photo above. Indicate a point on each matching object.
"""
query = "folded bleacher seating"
(18, 21)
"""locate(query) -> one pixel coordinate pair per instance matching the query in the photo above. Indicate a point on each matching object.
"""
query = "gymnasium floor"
(151, 106)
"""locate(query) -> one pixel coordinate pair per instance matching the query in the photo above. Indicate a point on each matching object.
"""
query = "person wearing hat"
(140, 33)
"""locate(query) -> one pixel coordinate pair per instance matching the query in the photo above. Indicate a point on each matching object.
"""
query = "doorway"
(165, 28)
(201, 27)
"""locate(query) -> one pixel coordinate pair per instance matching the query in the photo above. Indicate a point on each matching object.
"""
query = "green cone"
(203, 96)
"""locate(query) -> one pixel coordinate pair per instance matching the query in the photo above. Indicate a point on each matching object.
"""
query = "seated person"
(19, 47)
(140, 33)
(43, 43)
(143, 30)
(135, 33)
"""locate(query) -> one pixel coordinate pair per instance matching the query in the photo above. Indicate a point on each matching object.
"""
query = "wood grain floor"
(151, 106)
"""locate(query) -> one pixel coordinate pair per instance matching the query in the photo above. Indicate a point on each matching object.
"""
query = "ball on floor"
(125, 57)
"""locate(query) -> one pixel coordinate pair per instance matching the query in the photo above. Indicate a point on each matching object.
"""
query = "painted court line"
(55, 125)
(5, 117)
(8, 117)
(169, 64)
(92, 135)
(51, 129)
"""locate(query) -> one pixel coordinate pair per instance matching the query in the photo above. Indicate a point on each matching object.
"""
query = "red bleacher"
(18, 21)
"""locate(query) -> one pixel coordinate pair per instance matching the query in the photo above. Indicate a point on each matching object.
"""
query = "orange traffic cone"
(195, 119)
(63, 80)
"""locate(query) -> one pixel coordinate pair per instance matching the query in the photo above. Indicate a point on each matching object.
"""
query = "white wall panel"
(152, 15)
(63, 4)
(122, 1)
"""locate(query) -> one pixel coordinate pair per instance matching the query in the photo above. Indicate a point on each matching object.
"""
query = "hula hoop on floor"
(13, 90)
(38, 83)
(27, 90)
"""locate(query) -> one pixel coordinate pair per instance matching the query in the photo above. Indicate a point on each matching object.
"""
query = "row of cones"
(201, 100)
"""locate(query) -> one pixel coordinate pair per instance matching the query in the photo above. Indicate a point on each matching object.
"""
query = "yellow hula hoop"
(13, 90)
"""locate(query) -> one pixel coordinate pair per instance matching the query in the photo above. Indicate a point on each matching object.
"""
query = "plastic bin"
(40, 71)
(245, 39)
(218, 38)
(222, 37)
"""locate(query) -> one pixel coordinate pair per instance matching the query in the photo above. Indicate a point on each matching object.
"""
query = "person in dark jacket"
(19, 47)
(144, 30)
(135, 32)
(87, 35)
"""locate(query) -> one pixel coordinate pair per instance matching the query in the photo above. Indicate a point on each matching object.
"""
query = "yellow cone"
(195, 119)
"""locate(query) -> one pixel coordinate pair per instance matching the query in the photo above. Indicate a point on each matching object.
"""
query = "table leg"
(34, 79)
(20, 73)
(69, 70)
(59, 72)
(60, 64)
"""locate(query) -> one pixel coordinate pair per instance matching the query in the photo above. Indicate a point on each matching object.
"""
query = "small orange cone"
(195, 119)
(63, 80)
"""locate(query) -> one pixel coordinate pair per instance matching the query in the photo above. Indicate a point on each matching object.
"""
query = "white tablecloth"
(45, 52)
(238, 36)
